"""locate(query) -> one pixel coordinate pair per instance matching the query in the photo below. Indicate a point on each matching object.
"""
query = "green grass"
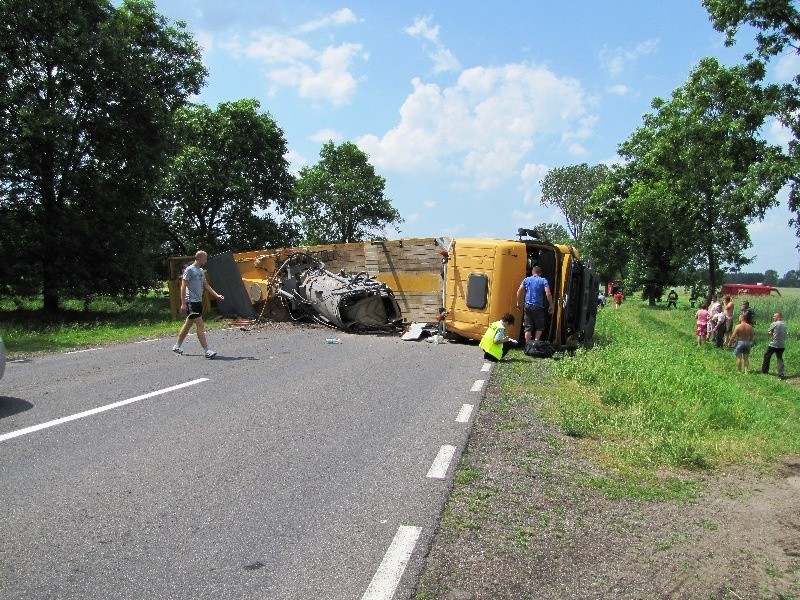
(652, 407)
(26, 329)
(652, 398)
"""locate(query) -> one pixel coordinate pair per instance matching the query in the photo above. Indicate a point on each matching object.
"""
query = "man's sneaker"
(177, 349)
(210, 354)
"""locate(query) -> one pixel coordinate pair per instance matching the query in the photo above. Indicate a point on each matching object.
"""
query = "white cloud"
(779, 134)
(325, 135)
(340, 17)
(482, 127)
(531, 176)
(618, 90)
(296, 161)
(411, 218)
(316, 73)
(576, 149)
(525, 218)
(443, 59)
(788, 66)
(429, 203)
(619, 59)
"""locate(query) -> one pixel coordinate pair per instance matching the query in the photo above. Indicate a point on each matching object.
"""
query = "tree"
(790, 279)
(554, 233)
(569, 188)
(229, 181)
(341, 198)
(777, 23)
(701, 150)
(88, 94)
(770, 277)
(607, 239)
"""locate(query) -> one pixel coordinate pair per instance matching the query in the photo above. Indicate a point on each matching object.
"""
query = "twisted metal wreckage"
(353, 302)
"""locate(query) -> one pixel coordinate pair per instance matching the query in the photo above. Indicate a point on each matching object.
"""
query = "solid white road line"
(441, 463)
(390, 571)
(94, 411)
(478, 385)
(464, 413)
(84, 350)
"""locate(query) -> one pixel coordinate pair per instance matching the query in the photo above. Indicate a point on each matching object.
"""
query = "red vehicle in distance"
(748, 289)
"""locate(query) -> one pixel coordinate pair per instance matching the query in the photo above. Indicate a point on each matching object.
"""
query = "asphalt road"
(286, 468)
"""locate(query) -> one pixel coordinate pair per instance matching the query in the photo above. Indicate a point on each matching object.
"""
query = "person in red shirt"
(618, 298)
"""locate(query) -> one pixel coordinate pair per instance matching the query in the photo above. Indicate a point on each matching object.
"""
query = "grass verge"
(27, 330)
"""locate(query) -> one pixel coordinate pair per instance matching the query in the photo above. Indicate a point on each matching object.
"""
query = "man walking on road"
(777, 343)
(193, 282)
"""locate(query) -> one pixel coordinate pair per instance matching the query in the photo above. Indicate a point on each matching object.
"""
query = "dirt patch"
(521, 522)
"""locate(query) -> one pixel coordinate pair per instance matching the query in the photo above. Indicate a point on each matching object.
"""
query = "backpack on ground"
(539, 349)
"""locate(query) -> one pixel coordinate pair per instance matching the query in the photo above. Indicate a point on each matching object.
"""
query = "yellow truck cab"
(482, 277)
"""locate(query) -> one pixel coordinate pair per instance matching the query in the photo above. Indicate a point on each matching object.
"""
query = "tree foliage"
(777, 25)
(699, 169)
(790, 279)
(341, 198)
(606, 241)
(88, 94)
(229, 181)
(555, 233)
(569, 189)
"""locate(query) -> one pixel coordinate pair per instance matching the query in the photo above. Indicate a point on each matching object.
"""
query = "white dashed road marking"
(486, 367)
(390, 571)
(478, 385)
(441, 463)
(464, 413)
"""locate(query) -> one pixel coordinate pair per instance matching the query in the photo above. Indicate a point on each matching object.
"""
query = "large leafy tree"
(606, 241)
(341, 198)
(230, 181)
(87, 97)
(569, 189)
(707, 173)
(777, 26)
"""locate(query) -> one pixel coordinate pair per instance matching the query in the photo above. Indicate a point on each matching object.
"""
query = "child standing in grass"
(702, 322)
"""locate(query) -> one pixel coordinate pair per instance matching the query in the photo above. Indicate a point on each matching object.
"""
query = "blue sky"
(463, 107)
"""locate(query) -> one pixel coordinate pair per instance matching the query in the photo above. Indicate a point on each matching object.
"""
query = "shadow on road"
(11, 406)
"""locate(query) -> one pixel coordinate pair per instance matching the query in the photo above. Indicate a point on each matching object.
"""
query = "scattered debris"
(353, 302)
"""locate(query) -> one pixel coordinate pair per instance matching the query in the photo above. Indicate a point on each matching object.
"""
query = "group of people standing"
(715, 321)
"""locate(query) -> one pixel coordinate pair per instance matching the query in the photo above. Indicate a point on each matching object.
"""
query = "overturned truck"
(470, 282)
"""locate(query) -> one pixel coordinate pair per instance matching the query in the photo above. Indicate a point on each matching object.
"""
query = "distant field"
(790, 292)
